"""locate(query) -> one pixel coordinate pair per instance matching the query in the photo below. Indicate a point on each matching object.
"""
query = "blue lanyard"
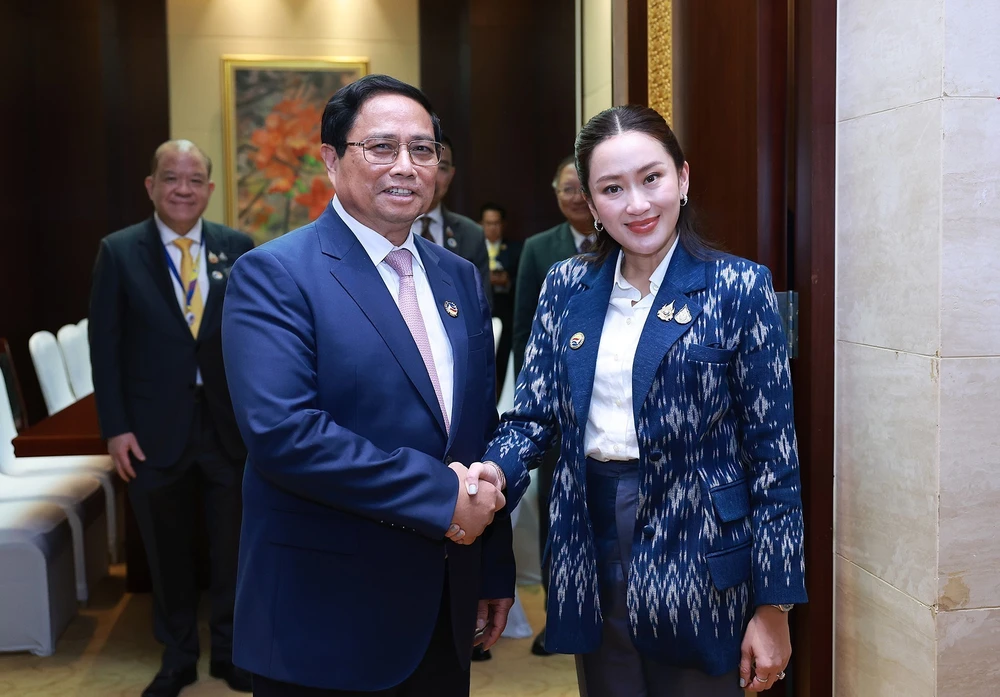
(189, 293)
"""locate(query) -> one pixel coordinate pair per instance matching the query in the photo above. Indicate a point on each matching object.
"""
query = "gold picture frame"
(272, 110)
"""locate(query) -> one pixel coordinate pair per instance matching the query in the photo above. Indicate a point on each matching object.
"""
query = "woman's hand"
(766, 649)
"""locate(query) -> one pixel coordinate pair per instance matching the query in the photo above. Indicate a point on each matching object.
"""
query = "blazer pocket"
(304, 531)
(709, 354)
(731, 501)
(729, 567)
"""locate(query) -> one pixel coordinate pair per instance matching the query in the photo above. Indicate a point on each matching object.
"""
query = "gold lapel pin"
(666, 312)
(212, 258)
(451, 308)
(576, 341)
(684, 316)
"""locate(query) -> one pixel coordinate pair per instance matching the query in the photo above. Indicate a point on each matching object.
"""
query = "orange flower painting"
(276, 180)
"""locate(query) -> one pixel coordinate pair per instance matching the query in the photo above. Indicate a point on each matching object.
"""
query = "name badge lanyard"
(192, 286)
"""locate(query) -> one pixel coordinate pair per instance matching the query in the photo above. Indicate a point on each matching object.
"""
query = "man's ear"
(332, 161)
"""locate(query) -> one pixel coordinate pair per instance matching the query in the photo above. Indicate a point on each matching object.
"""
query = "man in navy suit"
(163, 403)
(360, 359)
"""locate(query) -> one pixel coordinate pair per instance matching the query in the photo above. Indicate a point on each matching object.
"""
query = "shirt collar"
(578, 237)
(167, 236)
(375, 245)
(622, 286)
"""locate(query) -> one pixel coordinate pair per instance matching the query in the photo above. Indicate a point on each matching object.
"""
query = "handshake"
(480, 496)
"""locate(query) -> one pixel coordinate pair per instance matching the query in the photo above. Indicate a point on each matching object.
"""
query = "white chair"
(37, 577)
(51, 370)
(81, 499)
(99, 466)
(76, 355)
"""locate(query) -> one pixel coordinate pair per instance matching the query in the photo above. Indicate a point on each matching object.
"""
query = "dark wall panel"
(90, 82)
(502, 77)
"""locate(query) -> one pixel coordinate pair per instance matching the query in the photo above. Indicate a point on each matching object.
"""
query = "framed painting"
(272, 113)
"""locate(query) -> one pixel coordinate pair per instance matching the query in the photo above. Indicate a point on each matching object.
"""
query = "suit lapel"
(152, 253)
(216, 287)
(443, 288)
(353, 269)
(567, 245)
(685, 274)
(585, 314)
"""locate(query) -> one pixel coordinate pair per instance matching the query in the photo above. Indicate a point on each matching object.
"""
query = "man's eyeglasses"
(569, 192)
(383, 151)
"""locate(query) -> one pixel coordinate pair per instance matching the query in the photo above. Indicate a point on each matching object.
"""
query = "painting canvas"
(272, 112)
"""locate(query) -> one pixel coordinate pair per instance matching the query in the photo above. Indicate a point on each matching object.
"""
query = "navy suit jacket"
(347, 495)
(719, 521)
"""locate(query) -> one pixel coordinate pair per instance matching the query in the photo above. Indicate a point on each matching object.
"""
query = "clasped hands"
(479, 498)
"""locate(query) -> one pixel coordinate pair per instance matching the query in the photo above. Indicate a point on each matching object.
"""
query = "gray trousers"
(617, 669)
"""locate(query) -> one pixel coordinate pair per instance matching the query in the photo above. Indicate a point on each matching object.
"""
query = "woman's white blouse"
(610, 432)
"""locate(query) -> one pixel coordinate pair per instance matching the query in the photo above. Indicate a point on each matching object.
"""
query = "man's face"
(180, 189)
(492, 225)
(445, 173)
(386, 198)
(571, 201)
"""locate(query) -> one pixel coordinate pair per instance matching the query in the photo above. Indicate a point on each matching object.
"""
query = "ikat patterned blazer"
(719, 520)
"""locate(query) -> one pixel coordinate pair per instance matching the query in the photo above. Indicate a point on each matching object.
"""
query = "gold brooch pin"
(451, 308)
(576, 341)
(684, 316)
(212, 258)
(666, 312)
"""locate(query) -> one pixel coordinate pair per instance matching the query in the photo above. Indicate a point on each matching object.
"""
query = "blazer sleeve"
(761, 389)
(105, 335)
(269, 346)
(531, 426)
(526, 291)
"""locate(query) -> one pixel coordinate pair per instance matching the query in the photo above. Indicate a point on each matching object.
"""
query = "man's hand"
(766, 649)
(474, 509)
(119, 448)
(491, 620)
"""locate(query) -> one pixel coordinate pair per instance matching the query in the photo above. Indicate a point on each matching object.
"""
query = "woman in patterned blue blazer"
(676, 523)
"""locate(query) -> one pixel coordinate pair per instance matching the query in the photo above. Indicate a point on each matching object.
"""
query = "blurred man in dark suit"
(164, 406)
(504, 257)
(453, 231)
(575, 235)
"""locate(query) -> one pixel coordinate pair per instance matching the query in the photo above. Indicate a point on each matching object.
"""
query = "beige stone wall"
(598, 60)
(200, 32)
(918, 349)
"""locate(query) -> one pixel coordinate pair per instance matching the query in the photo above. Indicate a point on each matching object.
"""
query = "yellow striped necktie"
(189, 278)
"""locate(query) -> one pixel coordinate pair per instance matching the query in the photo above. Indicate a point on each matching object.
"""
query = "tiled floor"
(108, 651)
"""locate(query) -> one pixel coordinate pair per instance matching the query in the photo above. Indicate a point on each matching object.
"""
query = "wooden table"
(75, 431)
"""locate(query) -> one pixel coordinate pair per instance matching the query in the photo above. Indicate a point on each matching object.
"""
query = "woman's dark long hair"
(640, 119)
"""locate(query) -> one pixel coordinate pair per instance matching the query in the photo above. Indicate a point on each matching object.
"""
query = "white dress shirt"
(378, 248)
(610, 432)
(437, 225)
(167, 236)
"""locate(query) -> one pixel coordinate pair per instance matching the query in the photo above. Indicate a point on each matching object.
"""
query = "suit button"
(648, 531)
(655, 456)
(448, 459)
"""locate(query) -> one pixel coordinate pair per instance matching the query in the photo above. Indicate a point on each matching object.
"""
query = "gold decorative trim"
(659, 43)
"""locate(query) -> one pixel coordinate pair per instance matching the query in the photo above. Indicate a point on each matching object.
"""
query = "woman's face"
(636, 191)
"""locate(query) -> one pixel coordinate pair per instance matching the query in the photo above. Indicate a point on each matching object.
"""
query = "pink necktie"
(401, 260)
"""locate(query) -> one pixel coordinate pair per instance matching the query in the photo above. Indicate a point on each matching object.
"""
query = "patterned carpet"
(108, 651)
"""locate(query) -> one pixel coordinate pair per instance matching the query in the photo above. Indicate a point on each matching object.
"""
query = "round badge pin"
(452, 242)
(190, 318)
(451, 308)
(576, 341)
(217, 275)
